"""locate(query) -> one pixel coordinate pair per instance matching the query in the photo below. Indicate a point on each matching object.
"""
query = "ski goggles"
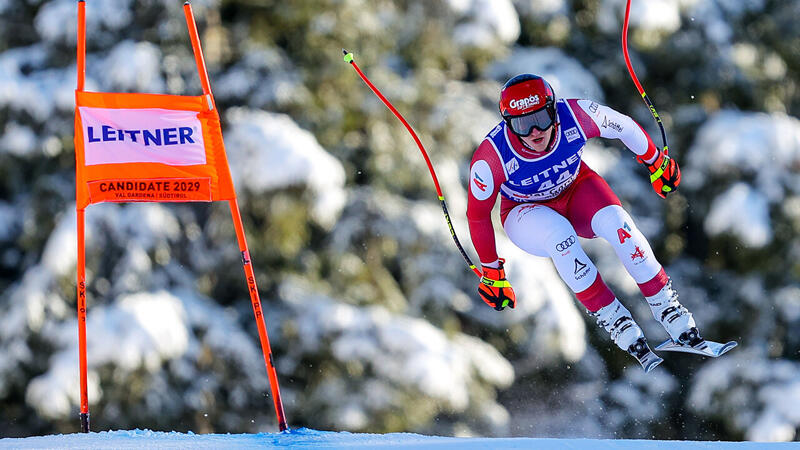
(523, 125)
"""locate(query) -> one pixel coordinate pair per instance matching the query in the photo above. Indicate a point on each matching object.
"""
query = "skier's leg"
(541, 231)
(616, 226)
(595, 210)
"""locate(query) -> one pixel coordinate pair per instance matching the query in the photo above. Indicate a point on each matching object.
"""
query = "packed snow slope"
(304, 437)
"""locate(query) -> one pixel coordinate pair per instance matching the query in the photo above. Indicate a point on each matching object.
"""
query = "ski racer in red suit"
(549, 197)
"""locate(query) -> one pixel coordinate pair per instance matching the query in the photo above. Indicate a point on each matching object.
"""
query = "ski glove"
(495, 290)
(665, 176)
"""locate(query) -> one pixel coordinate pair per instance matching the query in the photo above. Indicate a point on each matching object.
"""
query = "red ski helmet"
(527, 101)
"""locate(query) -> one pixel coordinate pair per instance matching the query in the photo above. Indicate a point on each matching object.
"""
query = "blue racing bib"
(546, 177)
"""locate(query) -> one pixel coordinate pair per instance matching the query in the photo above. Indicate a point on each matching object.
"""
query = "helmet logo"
(524, 103)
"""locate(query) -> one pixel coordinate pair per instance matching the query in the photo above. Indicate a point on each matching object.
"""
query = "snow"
(567, 76)
(31, 298)
(640, 395)
(138, 330)
(132, 67)
(544, 9)
(263, 78)
(652, 15)
(270, 151)
(742, 211)
(665, 16)
(487, 23)
(402, 350)
(542, 298)
(769, 388)
(60, 252)
(788, 300)
(307, 438)
(38, 93)
(759, 145)
(752, 154)
(50, 23)
(715, 16)
(8, 220)
(461, 106)
(147, 323)
(111, 14)
(143, 226)
(17, 139)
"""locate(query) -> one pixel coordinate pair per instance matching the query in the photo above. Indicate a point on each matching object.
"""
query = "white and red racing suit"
(550, 198)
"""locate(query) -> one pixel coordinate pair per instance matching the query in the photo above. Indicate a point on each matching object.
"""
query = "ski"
(649, 361)
(706, 348)
(641, 351)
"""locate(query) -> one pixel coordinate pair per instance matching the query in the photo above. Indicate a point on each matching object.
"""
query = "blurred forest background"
(373, 316)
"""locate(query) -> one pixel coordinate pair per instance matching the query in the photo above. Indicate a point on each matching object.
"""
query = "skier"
(550, 197)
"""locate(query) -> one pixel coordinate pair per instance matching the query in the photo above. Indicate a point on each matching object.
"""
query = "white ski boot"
(674, 317)
(617, 320)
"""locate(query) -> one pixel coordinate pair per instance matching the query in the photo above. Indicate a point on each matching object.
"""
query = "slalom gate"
(115, 138)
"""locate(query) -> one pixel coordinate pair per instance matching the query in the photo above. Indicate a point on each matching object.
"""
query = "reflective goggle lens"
(524, 125)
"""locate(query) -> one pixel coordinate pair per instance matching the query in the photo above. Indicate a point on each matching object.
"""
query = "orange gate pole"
(262, 327)
(240, 236)
(82, 322)
(81, 263)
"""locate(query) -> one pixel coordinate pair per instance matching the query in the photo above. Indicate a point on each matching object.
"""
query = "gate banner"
(149, 148)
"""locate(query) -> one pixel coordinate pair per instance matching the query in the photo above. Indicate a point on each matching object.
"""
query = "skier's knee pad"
(616, 226)
(607, 222)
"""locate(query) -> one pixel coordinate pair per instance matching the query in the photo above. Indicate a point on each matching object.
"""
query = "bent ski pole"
(348, 57)
(636, 80)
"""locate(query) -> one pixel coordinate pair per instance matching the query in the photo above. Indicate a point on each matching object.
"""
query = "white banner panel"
(149, 135)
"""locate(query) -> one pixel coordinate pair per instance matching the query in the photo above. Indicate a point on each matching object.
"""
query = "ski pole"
(348, 57)
(636, 80)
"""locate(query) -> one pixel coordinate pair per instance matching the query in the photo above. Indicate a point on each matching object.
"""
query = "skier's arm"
(598, 120)
(601, 121)
(486, 175)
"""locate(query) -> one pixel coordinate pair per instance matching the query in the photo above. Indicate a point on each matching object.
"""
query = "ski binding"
(641, 351)
(705, 348)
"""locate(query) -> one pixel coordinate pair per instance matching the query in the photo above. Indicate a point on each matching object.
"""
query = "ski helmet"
(527, 101)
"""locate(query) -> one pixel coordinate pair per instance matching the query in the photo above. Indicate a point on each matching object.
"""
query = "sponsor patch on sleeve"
(481, 182)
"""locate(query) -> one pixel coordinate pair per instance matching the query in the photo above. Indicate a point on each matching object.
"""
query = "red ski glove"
(665, 175)
(495, 290)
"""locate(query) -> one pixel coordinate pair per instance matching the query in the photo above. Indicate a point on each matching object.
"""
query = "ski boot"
(679, 323)
(618, 322)
(674, 317)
